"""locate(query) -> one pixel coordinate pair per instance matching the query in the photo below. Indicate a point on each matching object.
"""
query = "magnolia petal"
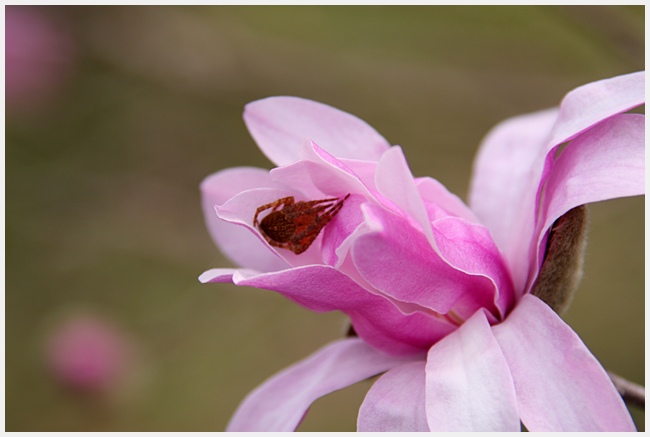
(365, 170)
(594, 102)
(375, 319)
(398, 260)
(582, 109)
(340, 233)
(280, 403)
(241, 209)
(350, 269)
(435, 193)
(219, 275)
(585, 107)
(296, 175)
(333, 177)
(606, 162)
(503, 186)
(394, 181)
(240, 245)
(560, 385)
(469, 248)
(468, 382)
(328, 174)
(280, 125)
(516, 157)
(396, 402)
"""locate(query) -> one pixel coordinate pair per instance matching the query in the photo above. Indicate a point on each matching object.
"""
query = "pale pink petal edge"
(280, 403)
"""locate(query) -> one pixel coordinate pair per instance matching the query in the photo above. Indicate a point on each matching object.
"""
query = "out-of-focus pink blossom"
(89, 353)
(39, 55)
(438, 292)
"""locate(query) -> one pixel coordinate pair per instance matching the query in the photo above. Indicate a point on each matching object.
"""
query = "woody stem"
(631, 392)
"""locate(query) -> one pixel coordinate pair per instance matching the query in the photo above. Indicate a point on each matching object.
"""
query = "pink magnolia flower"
(88, 353)
(437, 292)
(39, 58)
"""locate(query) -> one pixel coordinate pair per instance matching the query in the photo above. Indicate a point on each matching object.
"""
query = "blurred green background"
(103, 212)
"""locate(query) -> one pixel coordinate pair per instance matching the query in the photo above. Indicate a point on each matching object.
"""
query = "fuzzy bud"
(565, 252)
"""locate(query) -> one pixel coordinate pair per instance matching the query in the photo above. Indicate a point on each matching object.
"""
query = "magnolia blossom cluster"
(438, 292)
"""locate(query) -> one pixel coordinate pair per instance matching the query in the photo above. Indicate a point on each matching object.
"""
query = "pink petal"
(223, 275)
(582, 109)
(339, 234)
(504, 185)
(365, 170)
(240, 245)
(395, 182)
(435, 193)
(330, 175)
(333, 177)
(606, 162)
(516, 157)
(468, 383)
(560, 385)
(587, 106)
(398, 260)
(280, 125)
(396, 401)
(469, 247)
(296, 175)
(377, 320)
(592, 103)
(280, 403)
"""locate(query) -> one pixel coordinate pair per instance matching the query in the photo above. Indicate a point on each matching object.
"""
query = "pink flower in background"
(437, 292)
(39, 53)
(88, 353)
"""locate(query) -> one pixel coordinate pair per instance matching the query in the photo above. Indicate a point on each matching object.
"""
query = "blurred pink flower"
(39, 53)
(437, 292)
(88, 353)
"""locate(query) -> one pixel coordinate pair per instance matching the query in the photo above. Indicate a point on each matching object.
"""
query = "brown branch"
(631, 392)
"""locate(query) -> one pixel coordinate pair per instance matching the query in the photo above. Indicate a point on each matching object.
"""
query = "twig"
(631, 392)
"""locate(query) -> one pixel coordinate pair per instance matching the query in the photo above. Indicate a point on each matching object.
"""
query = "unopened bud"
(565, 252)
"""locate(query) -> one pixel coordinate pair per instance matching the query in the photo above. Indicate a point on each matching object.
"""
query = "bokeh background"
(114, 115)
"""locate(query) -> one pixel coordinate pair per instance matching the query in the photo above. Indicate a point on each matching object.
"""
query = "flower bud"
(565, 252)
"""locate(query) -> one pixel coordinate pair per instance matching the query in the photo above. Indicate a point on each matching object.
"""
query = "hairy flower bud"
(565, 252)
